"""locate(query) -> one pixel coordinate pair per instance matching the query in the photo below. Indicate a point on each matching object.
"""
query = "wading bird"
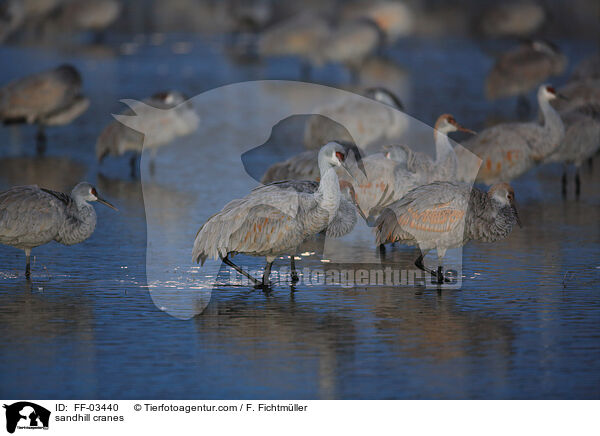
(581, 141)
(363, 31)
(444, 215)
(301, 35)
(357, 115)
(152, 123)
(303, 166)
(509, 150)
(49, 98)
(520, 70)
(511, 19)
(275, 219)
(32, 216)
(392, 174)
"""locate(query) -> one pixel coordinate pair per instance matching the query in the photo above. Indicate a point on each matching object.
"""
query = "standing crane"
(49, 98)
(31, 216)
(275, 219)
(444, 215)
(509, 150)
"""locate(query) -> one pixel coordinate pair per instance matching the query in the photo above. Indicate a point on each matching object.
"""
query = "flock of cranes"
(403, 193)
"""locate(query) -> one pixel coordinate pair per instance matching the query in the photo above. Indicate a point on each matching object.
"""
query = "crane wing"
(38, 94)
(424, 212)
(29, 214)
(261, 221)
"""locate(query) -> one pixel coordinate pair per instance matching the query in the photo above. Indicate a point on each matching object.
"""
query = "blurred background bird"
(49, 98)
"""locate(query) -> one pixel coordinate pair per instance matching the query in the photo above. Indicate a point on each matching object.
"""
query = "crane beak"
(464, 129)
(360, 211)
(358, 158)
(343, 185)
(347, 169)
(106, 203)
(562, 96)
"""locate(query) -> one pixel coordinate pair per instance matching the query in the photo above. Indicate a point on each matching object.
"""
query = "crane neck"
(442, 145)
(329, 191)
(80, 223)
(552, 123)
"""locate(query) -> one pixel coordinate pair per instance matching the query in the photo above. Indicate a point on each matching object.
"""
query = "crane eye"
(550, 89)
(94, 192)
(340, 156)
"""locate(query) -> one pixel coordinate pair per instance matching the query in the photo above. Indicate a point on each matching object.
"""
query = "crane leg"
(265, 280)
(294, 274)
(577, 183)
(305, 71)
(27, 264)
(439, 274)
(133, 165)
(564, 183)
(40, 139)
(240, 270)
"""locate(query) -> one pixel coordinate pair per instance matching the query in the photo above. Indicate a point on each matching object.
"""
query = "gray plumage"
(48, 98)
(441, 168)
(444, 215)
(589, 68)
(31, 216)
(581, 140)
(379, 188)
(582, 135)
(577, 93)
(358, 115)
(302, 166)
(392, 174)
(153, 123)
(319, 131)
(351, 42)
(300, 35)
(523, 68)
(275, 219)
(511, 19)
(509, 150)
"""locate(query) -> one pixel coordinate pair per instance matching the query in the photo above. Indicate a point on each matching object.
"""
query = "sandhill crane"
(394, 19)
(363, 31)
(31, 216)
(444, 215)
(512, 19)
(509, 150)
(589, 68)
(581, 141)
(275, 219)
(520, 70)
(351, 43)
(392, 174)
(358, 115)
(28, 14)
(301, 35)
(445, 164)
(161, 118)
(48, 98)
(303, 166)
(94, 15)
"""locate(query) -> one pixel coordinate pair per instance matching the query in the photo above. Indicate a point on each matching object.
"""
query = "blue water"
(526, 323)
